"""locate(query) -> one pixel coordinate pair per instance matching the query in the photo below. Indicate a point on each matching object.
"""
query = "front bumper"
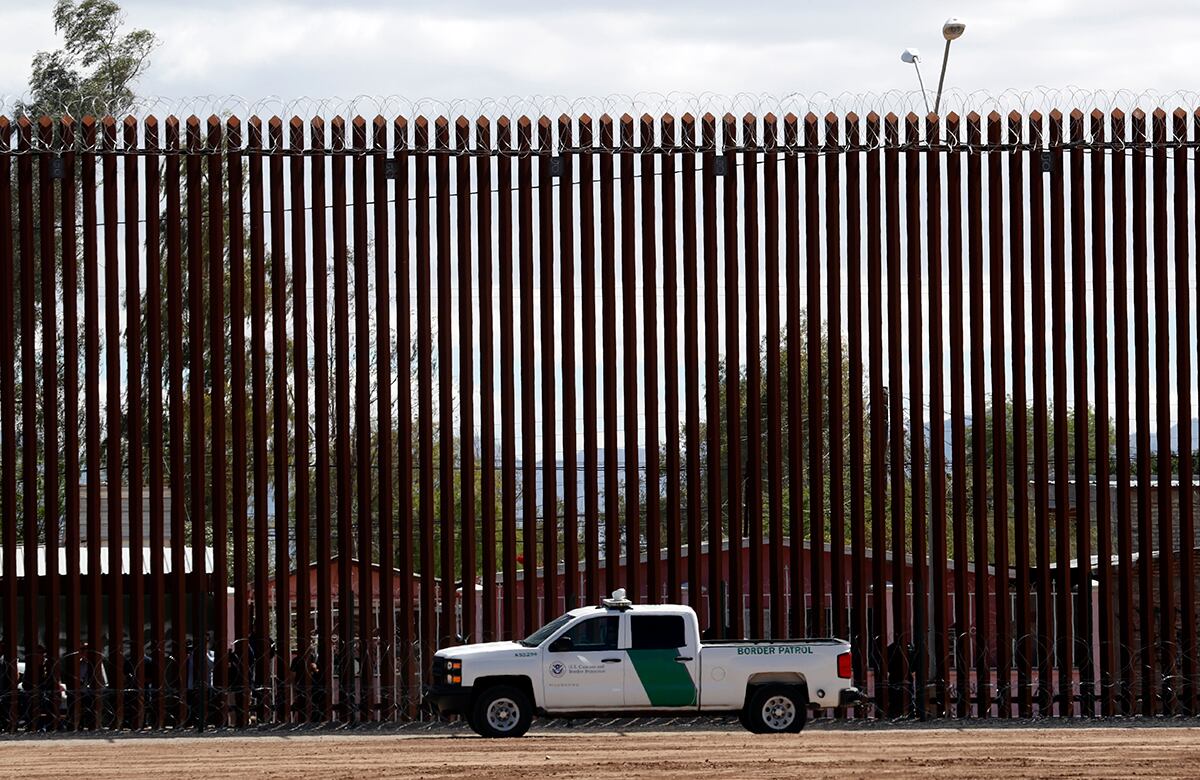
(449, 699)
(848, 697)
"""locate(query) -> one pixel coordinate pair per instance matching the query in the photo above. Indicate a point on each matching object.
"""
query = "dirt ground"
(1109, 751)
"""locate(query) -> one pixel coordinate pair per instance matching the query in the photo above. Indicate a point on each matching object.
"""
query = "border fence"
(287, 406)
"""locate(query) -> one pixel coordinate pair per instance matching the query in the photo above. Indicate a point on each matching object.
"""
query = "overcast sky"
(483, 48)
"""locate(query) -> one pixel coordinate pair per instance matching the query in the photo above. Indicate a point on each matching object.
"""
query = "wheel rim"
(503, 714)
(778, 713)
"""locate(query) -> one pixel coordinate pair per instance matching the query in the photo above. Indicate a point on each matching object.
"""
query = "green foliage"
(801, 493)
(97, 66)
(95, 71)
(802, 424)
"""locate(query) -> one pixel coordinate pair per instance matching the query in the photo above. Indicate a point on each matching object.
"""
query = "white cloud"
(472, 50)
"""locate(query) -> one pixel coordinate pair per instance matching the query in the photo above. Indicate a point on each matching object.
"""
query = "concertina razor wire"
(643, 111)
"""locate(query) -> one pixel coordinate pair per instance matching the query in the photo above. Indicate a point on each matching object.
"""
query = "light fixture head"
(953, 28)
(910, 56)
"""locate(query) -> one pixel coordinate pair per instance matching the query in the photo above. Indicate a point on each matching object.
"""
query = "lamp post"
(952, 30)
(914, 56)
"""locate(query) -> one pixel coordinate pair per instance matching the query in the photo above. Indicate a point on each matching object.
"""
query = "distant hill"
(1174, 438)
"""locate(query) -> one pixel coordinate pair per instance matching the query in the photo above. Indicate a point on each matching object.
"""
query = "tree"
(800, 492)
(790, 493)
(96, 69)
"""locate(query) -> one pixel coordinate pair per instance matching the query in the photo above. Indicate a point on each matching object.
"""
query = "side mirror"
(561, 645)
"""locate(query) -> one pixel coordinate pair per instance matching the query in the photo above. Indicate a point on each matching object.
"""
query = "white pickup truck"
(626, 659)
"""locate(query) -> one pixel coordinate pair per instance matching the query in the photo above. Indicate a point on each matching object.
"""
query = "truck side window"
(598, 633)
(657, 632)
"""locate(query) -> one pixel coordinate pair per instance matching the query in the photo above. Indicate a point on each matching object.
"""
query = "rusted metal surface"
(901, 632)
(754, 374)
(1001, 520)
(321, 431)
(692, 394)
(69, 202)
(1128, 660)
(570, 469)
(467, 513)
(649, 383)
(487, 373)
(47, 242)
(549, 446)
(1149, 660)
(733, 379)
(301, 447)
(528, 407)
(1022, 543)
(508, 445)
(629, 254)
(672, 373)
(1081, 458)
(815, 406)
(712, 375)
(776, 582)
(859, 625)
(1183, 307)
(978, 410)
(1163, 520)
(809, 375)
(218, 474)
(795, 388)
(280, 482)
(113, 424)
(958, 457)
(341, 392)
(239, 670)
(1104, 492)
(587, 310)
(878, 409)
(938, 530)
(833, 381)
(445, 416)
(608, 312)
(919, 660)
(405, 636)
(8, 424)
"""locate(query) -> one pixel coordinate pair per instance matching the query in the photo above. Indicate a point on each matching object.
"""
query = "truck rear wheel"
(501, 711)
(775, 709)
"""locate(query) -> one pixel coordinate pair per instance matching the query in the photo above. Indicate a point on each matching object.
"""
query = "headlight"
(454, 672)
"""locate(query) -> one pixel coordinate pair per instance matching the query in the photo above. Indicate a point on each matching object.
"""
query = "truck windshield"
(539, 636)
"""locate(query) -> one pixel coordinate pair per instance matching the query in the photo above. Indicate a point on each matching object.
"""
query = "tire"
(776, 709)
(501, 711)
(745, 720)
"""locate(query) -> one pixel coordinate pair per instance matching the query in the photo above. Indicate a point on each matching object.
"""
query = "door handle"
(610, 660)
(683, 658)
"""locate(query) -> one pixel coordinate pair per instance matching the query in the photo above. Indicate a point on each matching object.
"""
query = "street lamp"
(952, 30)
(914, 56)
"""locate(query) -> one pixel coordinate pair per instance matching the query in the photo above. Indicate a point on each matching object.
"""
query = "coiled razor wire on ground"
(900, 103)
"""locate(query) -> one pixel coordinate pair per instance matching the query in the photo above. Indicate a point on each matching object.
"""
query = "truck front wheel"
(775, 709)
(501, 711)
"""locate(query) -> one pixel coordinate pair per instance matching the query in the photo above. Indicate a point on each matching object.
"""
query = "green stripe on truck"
(667, 682)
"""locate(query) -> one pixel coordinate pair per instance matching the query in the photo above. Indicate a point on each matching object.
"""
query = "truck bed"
(813, 641)
(727, 667)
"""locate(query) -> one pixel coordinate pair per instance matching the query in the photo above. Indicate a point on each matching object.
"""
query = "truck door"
(582, 669)
(664, 661)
